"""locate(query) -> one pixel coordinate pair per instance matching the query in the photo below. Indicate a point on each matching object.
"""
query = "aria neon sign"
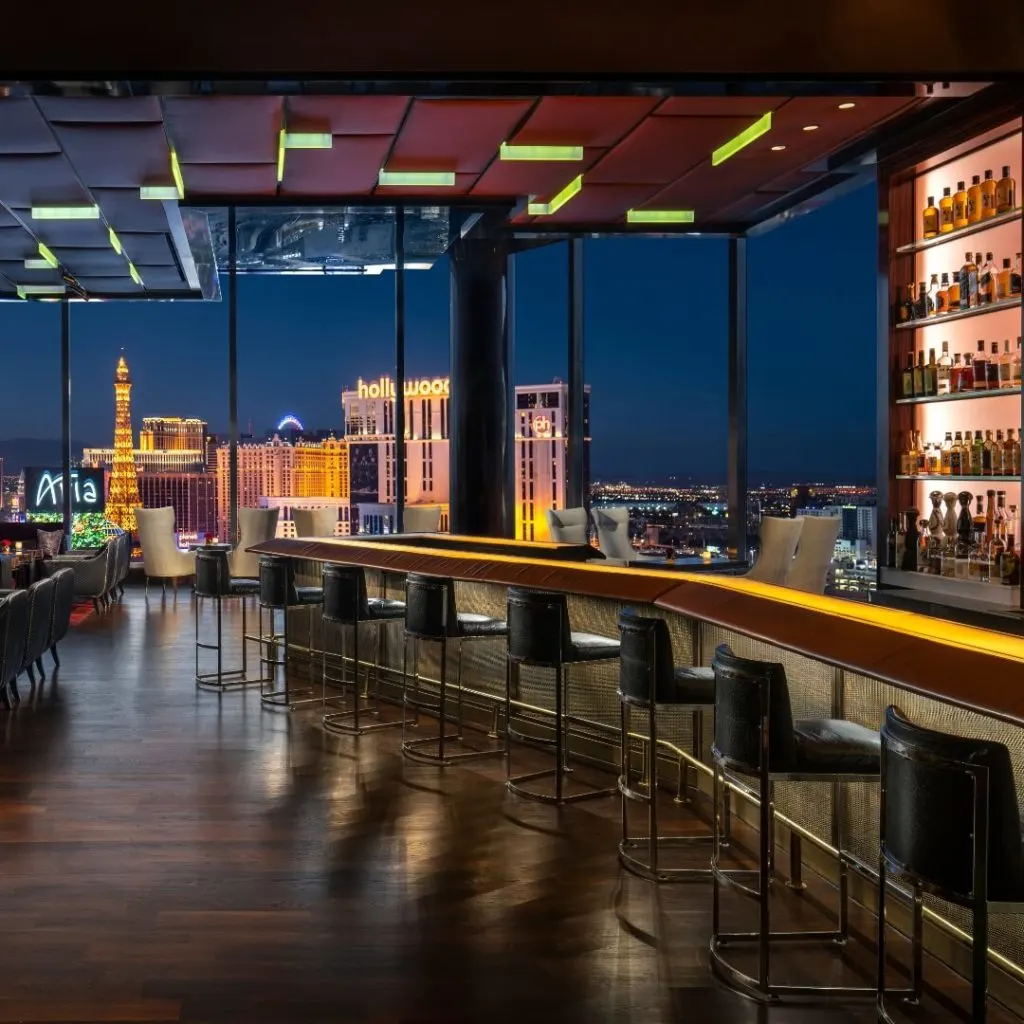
(45, 489)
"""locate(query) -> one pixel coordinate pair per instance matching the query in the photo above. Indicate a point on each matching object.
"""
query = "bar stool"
(346, 605)
(278, 592)
(648, 680)
(951, 827)
(431, 614)
(213, 580)
(755, 736)
(539, 634)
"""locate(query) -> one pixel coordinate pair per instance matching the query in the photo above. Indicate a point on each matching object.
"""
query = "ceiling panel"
(111, 286)
(74, 234)
(93, 262)
(224, 129)
(125, 211)
(346, 115)
(153, 250)
(662, 148)
(230, 179)
(599, 203)
(101, 109)
(14, 270)
(598, 121)
(25, 180)
(7, 220)
(720, 106)
(455, 135)
(23, 129)
(164, 278)
(16, 244)
(531, 177)
(118, 155)
(349, 168)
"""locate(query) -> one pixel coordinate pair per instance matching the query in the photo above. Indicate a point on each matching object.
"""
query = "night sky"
(655, 350)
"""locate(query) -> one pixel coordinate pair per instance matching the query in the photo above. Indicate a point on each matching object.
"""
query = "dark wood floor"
(172, 855)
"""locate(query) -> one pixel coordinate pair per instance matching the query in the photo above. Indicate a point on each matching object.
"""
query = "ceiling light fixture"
(659, 216)
(134, 273)
(745, 138)
(88, 212)
(164, 192)
(778, 149)
(557, 201)
(379, 268)
(810, 127)
(280, 155)
(308, 140)
(44, 251)
(25, 290)
(115, 242)
(38, 264)
(847, 106)
(176, 172)
(414, 179)
(508, 151)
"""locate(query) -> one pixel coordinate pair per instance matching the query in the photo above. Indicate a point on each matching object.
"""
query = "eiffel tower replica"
(123, 493)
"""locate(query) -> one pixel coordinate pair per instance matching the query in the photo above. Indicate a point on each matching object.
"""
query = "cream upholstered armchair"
(567, 525)
(255, 525)
(422, 519)
(315, 522)
(779, 540)
(612, 525)
(161, 557)
(809, 571)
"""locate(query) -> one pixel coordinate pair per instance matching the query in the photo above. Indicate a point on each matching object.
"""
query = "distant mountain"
(19, 452)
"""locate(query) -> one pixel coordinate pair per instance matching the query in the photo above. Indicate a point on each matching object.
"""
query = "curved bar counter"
(842, 659)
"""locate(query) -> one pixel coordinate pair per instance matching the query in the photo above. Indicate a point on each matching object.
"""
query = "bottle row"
(960, 454)
(980, 546)
(979, 282)
(972, 205)
(984, 371)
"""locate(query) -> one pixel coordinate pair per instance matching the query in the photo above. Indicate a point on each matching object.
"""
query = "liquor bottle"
(942, 295)
(921, 453)
(944, 371)
(968, 283)
(986, 455)
(1006, 192)
(976, 459)
(986, 280)
(992, 368)
(933, 461)
(890, 546)
(945, 212)
(901, 544)
(990, 514)
(1006, 366)
(919, 376)
(1015, 277)
(978, 569)
(954, 289)
(1003, 281)
(960, 206)
(956, 375)
(907, 378)
(997, 542)
(924, 306)
(1011, 455)
(974, 200)
(931, 375)
(946, 455)
(905, 306)
(931, 218)
(1015, 366)
(1010, 575)
(967, 375)
(956, 454)
(980, 369)
(988, 197)
(997, 455)
(908, 459)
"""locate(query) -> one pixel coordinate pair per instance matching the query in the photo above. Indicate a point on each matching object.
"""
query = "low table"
(691, 563)
(20, 569)
(211, 547)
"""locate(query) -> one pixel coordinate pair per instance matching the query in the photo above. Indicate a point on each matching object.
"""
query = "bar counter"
(842, 659)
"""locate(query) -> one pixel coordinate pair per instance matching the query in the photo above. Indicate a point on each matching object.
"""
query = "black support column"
(479, 450)
(232, 377)
(398, 464)
(737, 479)
(65, 416)
(574, 484)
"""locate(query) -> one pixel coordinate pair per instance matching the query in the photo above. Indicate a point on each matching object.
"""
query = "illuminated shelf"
(964, 479)
(972, 229)
(967, 593)
(960, 396)
(960, 314)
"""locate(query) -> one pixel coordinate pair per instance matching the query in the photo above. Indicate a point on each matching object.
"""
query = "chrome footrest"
(410, 749)
(514, 784)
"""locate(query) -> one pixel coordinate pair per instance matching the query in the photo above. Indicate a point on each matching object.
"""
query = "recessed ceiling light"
(162, 192)
(416, 179)
(847, 106)
(135, 274)
(115, 242)
(25, 290)
(38, 264)
(66, 212)
(659, 216)
(745, 137)
(509, 152)
(778, 149)
(557, 201)
(810, 127)
(48, 256)
(308, 140)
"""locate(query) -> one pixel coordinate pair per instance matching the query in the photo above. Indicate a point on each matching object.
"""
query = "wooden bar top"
(978, 669)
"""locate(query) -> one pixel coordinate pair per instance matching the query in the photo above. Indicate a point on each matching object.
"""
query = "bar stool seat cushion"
(309, 595)
(591, 647)
(475, 624)
(385, 608)
(835, 746)
(242, 585)
(693, 685)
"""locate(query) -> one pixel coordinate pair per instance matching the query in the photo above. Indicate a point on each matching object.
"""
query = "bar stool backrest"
(646, 667)
(213, 577)
(752, 711)
(430, 612)
(939, 791)
(277, 582)
(345, 598)
(14, 613)
(63, 602)
(538, 627)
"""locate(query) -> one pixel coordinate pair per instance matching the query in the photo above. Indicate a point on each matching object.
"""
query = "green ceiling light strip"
(38, 264)
(508, 151)
(176, 172)
(558, 201)
(115, 242)
(66, 212)
(164, 192)
(308, 140)
(26, 290)
(745, 138)
(134, 273)
(280, 155)
(659, 216)
(416, 179)
(44, 251)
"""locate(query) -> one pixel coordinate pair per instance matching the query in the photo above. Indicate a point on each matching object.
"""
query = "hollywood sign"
(384, 387)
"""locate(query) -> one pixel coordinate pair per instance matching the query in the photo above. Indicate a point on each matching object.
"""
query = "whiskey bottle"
(1015, 278)
(924, 306)
(1011, 455)
(956, 375)
(1010, 574)
(960, 206)
(901, 544)
(1006, 366)
(944, 371)
(933, 294)
(921, 453)
(980, 369)
(946, 455)
(931, 218)
(890, 546)
(974, 200)
(1003, 281)
(931, 375)
(992, 368)
(997, 455)
(986, 455)
(967, 374)
(919, 376)
(942, 295)
(1015, 366)
(956, 456)
(907, 378)
(969, 283)
(986, 280)
(905, 307)
(988, 196)
(977, 456)
(954, 289)
(933, 461)
(1006, 192)
(908, 457)
(946, 212)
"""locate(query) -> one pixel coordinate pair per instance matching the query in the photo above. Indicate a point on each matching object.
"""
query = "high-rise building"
(193, 496)
(172, 433)
(123, 493)
(180, 461)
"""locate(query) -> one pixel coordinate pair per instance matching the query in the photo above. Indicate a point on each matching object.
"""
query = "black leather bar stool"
(346, 605)
(951, 827)
(648, 680)
(278, 592)
(213, 581)
(755, 736)
(539, 634)
(431, 615)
